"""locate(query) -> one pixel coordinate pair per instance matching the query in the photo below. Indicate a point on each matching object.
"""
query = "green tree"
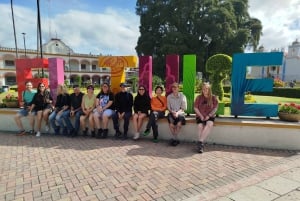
(201, 27)
(219, 66)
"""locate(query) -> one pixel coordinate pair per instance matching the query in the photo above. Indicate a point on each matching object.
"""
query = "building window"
(94, 67)
(83, 66)
(104, 69)
(9, 63)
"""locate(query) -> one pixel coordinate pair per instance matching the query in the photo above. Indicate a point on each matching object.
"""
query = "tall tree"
(201, 27)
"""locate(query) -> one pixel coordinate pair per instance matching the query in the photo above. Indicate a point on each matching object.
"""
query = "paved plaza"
(61, 168)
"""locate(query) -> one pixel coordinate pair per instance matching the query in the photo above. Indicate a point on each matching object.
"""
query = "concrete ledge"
(250, 132)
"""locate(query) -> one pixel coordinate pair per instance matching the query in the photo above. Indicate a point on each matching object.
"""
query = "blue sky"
(111, 26)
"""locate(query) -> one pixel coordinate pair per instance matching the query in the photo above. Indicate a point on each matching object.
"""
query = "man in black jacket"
(123, 105)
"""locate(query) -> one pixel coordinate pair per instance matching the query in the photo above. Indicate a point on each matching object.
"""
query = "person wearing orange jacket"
(158, 108)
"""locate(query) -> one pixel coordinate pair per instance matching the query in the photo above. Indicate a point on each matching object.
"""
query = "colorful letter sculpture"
(145, 73)
(189, 76)
(24, 73)
(117, 65)
(56, 75)
(240, 85)
(172, 71)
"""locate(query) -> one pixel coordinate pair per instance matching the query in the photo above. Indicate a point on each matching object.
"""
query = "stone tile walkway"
(61, 168)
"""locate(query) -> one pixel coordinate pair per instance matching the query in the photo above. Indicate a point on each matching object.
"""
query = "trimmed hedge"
(279, 92)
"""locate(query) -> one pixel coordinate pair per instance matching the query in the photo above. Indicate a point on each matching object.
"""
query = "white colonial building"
(289, 71)
(76, 65)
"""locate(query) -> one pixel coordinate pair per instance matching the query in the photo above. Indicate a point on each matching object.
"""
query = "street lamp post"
(24, 42)
(69, 66)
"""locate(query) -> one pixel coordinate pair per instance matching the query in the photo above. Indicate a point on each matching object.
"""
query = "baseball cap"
(123, 84)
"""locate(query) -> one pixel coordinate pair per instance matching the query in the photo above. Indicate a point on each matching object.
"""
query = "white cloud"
(116, 31)
(280, 20)
(110, 32)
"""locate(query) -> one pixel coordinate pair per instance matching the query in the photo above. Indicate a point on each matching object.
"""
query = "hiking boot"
(146, 132)
(105, 133)
(99, 133)
(93, 134)
(84, 132)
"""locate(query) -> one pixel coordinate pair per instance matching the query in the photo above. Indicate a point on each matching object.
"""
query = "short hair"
(159, 87)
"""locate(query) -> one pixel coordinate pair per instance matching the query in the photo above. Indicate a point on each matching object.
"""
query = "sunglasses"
(141, 89)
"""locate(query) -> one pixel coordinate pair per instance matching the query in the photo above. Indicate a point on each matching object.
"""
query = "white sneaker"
(38, 134)
(47, 128)
(136, 136)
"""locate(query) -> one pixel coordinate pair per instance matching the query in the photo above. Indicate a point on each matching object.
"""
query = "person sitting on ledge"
(62, 107)
(42, 105)
(141, 107)
(123, 106)
(158, 108)
(205, 107)
(177, 104)
(88, 104)
(76, 110)
(27, 96)
(104, 110)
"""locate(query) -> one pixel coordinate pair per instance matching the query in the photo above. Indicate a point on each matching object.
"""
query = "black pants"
(126, 117)
(153, 117)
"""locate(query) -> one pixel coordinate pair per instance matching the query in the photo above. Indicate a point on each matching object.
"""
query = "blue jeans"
(66, 117)
(56, 118)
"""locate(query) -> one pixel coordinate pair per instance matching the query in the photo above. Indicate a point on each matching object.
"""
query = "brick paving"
(60, 168)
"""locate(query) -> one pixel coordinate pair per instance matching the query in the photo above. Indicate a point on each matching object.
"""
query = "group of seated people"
(99, 109)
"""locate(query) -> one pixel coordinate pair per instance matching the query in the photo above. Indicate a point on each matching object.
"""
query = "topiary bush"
(219, 67)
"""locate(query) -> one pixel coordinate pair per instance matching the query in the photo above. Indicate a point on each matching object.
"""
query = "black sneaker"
(124, 136)
(93, 134)
(118, 134)
(84, 132)
(200, 147)
(146, 132)
(175, 143)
